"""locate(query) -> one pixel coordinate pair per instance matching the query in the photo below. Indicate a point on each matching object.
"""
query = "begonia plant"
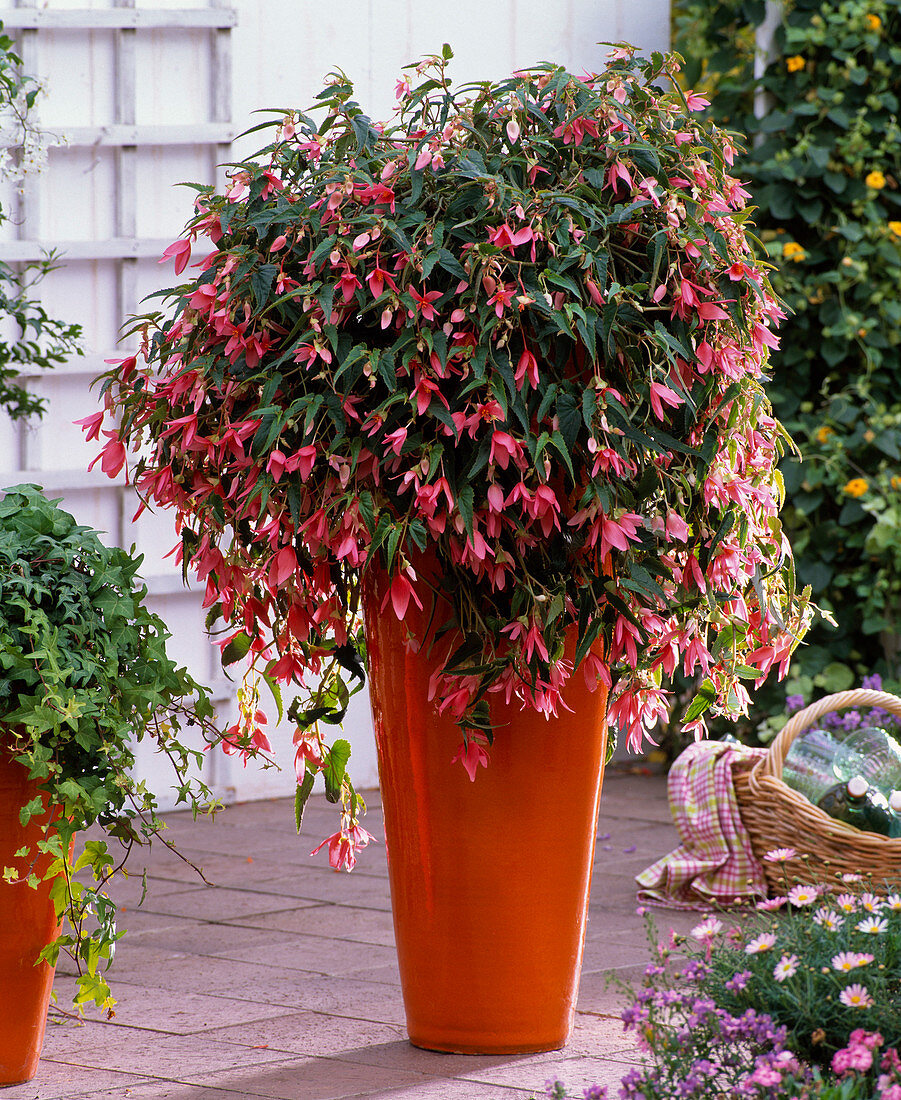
(512, 340)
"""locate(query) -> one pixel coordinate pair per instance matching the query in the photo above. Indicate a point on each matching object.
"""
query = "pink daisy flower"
(850, 960)
(760, 943)
(803, 895)
(786, 966)
(780, 855)
(856, 996)
(771, 904)
(707, 929)
(829, 919)
(874, 926)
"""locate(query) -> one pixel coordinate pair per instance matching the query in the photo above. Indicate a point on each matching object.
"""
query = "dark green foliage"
(84, 675)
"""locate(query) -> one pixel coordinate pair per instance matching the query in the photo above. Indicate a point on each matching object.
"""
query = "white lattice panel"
(150, 94)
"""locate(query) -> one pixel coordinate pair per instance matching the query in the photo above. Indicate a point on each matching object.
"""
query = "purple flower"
(872, 683)
(738, 981)
(851, 720)
(793, 703)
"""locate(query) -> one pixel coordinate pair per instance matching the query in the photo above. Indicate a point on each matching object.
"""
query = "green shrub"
(824, 167)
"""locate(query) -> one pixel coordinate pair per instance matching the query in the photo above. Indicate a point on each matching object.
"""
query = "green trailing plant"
(32, 339)
(824, 170)
(84, 676)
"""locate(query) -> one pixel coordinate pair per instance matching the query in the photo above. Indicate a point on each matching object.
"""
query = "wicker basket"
(776, 816)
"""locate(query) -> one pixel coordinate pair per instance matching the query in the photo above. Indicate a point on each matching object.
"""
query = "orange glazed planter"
(489, 879)
(27, 924)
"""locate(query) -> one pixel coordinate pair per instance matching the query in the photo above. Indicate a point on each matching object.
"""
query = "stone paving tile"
(215, 903)
(152, 1053)
(274, 986)
(318, 954)
(364, 891)
(308, 1079)
(577, 1073)
(58, 1080)
(291, 959)
(146, 1007)
(341, 921)
(312, 1033)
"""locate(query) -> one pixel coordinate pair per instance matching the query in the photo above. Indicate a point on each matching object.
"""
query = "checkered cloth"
(714, 865)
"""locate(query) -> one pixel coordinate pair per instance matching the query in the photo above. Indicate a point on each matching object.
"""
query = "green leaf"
(335, 768)
(237, 649)
(261, 279)
(703, 700)
(303, 792)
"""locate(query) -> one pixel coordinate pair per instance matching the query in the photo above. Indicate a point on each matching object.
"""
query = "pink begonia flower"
(471, 753)
(400, 593)
(696, 102)
(662, 395)
(180, 251)
(112, 456)
(344, 845)
(513, 130)
(283, 566)
(90, 425)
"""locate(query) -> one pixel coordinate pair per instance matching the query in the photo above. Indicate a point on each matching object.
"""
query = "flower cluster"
(820, 963)
(510, 344)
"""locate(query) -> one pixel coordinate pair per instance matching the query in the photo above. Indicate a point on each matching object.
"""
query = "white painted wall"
(112, 209)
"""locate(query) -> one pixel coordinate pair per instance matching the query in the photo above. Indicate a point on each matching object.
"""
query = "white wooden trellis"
(109, 262)
(110, 243)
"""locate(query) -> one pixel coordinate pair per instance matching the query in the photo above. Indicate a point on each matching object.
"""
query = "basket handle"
(771, 764)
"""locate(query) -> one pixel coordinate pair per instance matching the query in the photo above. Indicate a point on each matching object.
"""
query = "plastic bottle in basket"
(872, 753)
(894, 804)
(857, 803)
(810, 763)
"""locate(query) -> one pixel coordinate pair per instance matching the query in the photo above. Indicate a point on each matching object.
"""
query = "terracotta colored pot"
(489, 879)
(27, 924)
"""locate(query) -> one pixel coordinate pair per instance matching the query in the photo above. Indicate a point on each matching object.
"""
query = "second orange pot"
(27, 924)
(489, 879)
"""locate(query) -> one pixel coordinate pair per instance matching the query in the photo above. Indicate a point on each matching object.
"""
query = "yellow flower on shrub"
(895, 227)
(823, 433)
(895, 482)
(876, 180)
(794, 64)
(856, 487)
(873, 21)
(791, 250)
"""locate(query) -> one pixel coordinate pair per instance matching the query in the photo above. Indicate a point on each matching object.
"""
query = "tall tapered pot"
(489, 878)
(27, 924)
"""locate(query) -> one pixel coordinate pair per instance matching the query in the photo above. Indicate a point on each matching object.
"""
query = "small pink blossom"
(786, 967)
(850, 960)
(856, 996)
(803, 895)
(780, 855)
(763, 942)
(471, 753)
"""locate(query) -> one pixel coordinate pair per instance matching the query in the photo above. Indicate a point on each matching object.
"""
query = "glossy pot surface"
(27, 924)
(489, 879)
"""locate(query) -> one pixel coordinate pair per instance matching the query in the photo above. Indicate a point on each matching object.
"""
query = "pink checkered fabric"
(714, 865)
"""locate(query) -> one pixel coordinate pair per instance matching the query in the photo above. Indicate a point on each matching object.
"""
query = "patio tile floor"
(279, 981)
